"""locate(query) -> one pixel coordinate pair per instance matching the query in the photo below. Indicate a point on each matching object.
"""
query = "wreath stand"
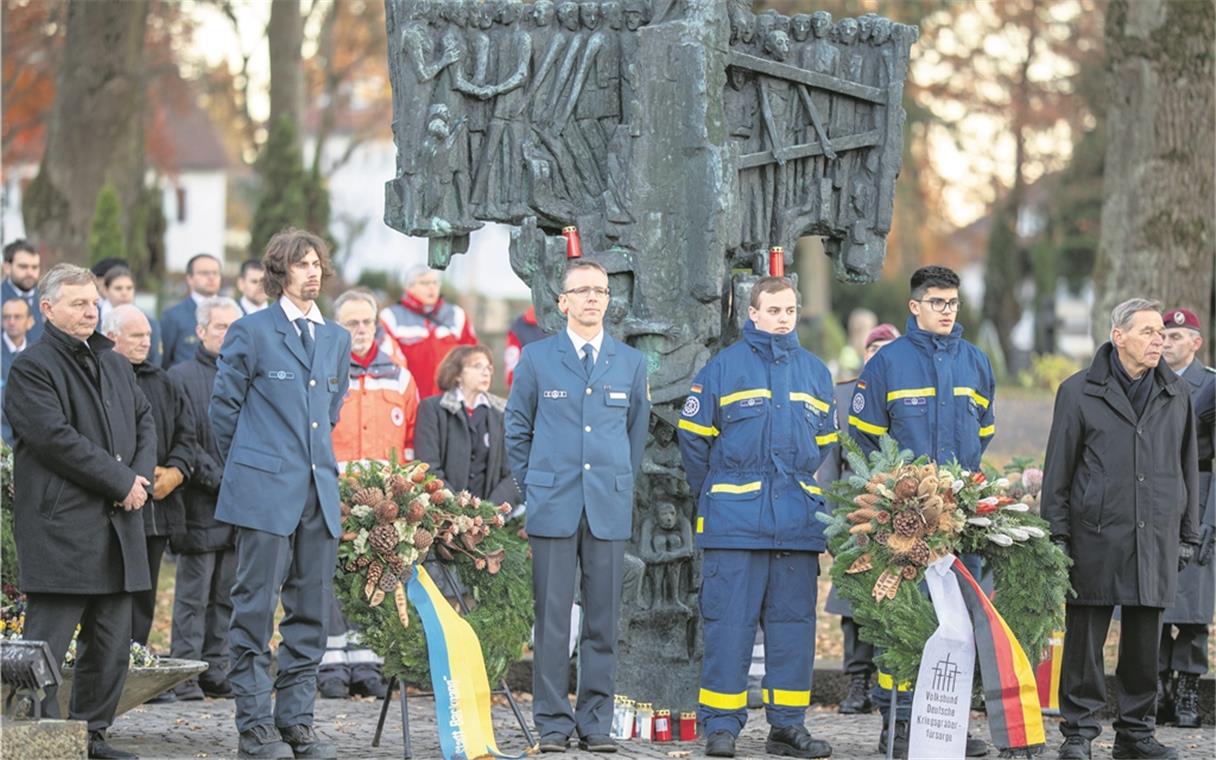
(393, 683)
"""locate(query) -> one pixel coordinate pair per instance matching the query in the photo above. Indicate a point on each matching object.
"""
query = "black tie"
(588, 358)
(305, 336)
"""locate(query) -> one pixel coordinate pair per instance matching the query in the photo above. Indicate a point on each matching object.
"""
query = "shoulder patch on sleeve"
(692, 405)
(859, 403)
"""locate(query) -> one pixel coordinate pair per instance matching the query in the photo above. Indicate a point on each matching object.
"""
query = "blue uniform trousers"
(298, 570)
(777, 590)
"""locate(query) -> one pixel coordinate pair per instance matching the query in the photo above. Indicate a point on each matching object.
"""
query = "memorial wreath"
(895, 515)
(393, 517)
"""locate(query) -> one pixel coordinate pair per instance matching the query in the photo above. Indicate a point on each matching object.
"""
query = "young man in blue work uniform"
(753, 431)
(932, 392)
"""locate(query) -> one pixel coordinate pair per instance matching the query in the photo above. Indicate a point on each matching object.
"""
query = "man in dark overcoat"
(1120, 492)
(83, 463)
(1184, 635)
(131, 332)
(206, 562)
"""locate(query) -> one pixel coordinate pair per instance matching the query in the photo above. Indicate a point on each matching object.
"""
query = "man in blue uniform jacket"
(177, 323)
(754, 429)
(576, 427)
(933, 393)
(282, 375)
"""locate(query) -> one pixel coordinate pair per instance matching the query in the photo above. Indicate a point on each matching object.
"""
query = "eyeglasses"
(480, 367)
(585, 291)
(941, 305)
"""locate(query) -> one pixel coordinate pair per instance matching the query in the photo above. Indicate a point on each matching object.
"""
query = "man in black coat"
(1120, 490)
(206, 563)
(83, 463)
(131, 332)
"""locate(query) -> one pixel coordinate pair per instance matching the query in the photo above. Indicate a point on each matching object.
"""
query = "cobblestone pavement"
(205, 730)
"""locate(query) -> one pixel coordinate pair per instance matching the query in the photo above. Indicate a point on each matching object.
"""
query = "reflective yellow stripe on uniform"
(824, 440)
(784, 698)
(807, 398)
(866, 427)
(987, 431)
(735, 487)
(811, 489)
(885, 680)
(693, 427)
(720, 701)
(700, 524)
(973, 394)
(731, 398)
(910, 393)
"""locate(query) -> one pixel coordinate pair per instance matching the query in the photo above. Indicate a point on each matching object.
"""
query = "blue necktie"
(305, 336)
(588, 358)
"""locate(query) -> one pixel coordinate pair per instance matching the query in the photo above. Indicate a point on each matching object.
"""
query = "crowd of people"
(216, 434)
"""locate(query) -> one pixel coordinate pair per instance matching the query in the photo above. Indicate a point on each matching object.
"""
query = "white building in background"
(356, 222)
(192, 169)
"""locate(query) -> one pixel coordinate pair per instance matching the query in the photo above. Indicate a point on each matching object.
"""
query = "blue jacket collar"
(770, 345)
(931, 341)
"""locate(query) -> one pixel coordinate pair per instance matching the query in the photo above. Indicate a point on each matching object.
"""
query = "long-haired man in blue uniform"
(282, 375)
(754, 429)
(933, 393)
(576, 427)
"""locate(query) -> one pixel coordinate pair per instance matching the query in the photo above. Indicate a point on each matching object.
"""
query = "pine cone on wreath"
(905, 488)
(907, 523)
(388, 581)
(386, 512)
(416, 511)
(399, 484)
(368, 495)
(396, 563)
(350, 566)
(363, 561)
(919, 554)
(909, 572)
(383, 539)
(423, 539)
(374, 572)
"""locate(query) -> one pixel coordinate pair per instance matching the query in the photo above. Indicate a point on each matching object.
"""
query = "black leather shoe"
(795, 741)
(1074, 748)
(597, 743)
(372, 686)
(304, 742)
(216, 689)
(976, 747)
(263, 742)
(1148, 746)
(554, 742)
(1186, 700)
(720, 744)
(858, 700)
(100, 748)
(901, 738)
(189, 691)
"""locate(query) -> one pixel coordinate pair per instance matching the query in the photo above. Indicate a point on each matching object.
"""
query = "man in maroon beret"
(1182, 659)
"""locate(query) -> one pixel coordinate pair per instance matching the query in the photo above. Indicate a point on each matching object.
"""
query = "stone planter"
(142, 684)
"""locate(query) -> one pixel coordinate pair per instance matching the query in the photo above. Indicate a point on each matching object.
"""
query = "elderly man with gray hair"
(206, 548)
(131, 332)
(84, 457)
(1120, 490)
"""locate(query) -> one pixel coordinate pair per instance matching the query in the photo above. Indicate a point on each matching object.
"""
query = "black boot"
(101, 749)
(720, 744)
(795, 741)
(858, 700)
(901, 738)
(1186, 700)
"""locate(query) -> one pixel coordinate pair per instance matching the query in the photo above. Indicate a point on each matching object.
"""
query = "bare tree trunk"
(286, 36)
(1156, 236)
(96, 128)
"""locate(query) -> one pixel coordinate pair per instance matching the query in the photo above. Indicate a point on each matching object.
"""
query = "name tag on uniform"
(916, 401)
(618, 395)
(554, 394)
(280, 374)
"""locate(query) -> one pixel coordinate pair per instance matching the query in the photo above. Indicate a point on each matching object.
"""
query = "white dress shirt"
(293, 313)
(580, 341)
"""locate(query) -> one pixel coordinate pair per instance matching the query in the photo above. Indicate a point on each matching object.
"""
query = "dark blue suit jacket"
(7, 291)
(575, 442)
(177, 333)
(273, 413)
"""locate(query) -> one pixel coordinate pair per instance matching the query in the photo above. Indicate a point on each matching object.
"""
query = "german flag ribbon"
(1011, 695)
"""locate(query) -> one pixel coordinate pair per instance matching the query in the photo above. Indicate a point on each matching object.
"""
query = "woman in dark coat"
(460, 433)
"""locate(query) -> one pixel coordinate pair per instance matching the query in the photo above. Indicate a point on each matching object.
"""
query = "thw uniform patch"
(692, 405)
(859, 403)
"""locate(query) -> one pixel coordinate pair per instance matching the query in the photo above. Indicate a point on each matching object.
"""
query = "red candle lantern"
(574, 246)
(776, 261)
(688, 726)
(662, 725)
